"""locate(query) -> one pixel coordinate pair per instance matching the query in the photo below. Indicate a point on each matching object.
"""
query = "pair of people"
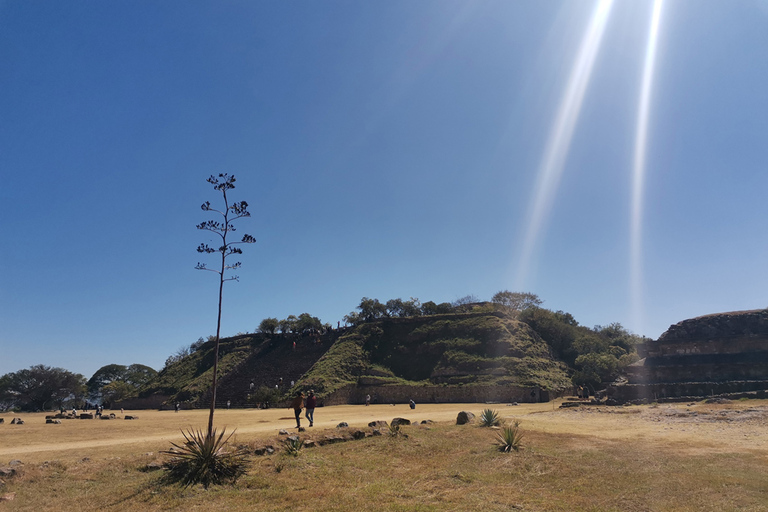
(299, 403)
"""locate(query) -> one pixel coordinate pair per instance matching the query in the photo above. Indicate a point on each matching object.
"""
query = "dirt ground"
(738, 426)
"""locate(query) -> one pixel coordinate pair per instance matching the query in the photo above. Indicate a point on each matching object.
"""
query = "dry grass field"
(676, 457)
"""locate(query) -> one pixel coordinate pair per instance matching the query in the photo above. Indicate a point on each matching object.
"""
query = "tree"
(128, 379)
(467, 299)
(105, 375)
(288, 324)
(371, 309)
(40, 387)
(222, 228)
(517, 301)
(269, 325)
(307, 321)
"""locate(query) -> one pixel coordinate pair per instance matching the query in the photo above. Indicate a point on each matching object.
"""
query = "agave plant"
(394, 429)
(293, 446)
(204, 459)
(509, 437)
(489, 418)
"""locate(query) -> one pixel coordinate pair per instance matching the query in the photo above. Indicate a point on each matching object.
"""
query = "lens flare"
(638, 170)
(560, 138)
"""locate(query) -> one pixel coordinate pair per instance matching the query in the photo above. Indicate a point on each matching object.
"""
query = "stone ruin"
(718, 354)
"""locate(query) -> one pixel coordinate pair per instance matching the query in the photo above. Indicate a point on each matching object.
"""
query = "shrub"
(293, 446)
(489, 418)
(205, 460)
(509, 437)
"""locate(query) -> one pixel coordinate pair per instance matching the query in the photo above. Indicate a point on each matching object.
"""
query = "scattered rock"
(465, 417)
(8, 497)
(358, 434)
(427, 422)
(302, 429)
(331, 440)
(378, 424)
(293, 438)
(376, 432)
(400, 421)
(270, 450)
(89, 416)
(106, 417)
(54, 422)
(129, 417)
(2, 420)
(7, 472)
(568, 405)
(15, 462)
(112, 415)
(309, 443)
(17, 421)
(283, 432)
(343, 424)
(153, 466)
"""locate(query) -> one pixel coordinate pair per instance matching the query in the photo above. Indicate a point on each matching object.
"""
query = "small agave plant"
(293, 446)
(509, 437)
(489, 418)
(204, 459)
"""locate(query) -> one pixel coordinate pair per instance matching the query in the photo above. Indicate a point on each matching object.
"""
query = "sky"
(385, 149)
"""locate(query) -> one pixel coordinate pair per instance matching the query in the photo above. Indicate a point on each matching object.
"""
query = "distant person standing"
(412, 403)
(310, 405)
(367, 400)
(297, 405)
(178, 406)
(228, 404)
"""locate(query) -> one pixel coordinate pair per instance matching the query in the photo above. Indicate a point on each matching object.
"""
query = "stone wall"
(436, 394)
(708, 355)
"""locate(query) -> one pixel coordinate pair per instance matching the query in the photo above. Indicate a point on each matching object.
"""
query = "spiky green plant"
(293, 446)
(394, 429)
(489, 418)
(204, 459)
(509, 437)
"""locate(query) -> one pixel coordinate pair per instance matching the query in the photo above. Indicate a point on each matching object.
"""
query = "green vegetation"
(41, 388)
(189, 378)
(510, 437)
(115, 382)
(489, 418)
(598, 355)
(204, 459)
(293, 446)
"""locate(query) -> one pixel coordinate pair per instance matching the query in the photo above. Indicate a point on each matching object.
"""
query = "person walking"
(297, 405)
(311, 403)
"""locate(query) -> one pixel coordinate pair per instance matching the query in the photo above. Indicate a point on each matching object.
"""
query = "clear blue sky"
(386, 149)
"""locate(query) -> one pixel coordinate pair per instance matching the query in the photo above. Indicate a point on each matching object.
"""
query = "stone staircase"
(276, 358)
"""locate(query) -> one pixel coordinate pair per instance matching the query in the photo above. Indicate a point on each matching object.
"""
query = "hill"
(479, 346)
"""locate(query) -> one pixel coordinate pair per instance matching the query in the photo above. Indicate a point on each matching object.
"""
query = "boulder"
(53, 422)
(309, 443)
(88, 416)
(282, 432)
(343, 424)
(378, 424)
(17, 421)
(358, 434)
(129, 417)
(465, 417)
(105, 417)
(376, 432)
(302, 429)
(2, 420)
(400, 421)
